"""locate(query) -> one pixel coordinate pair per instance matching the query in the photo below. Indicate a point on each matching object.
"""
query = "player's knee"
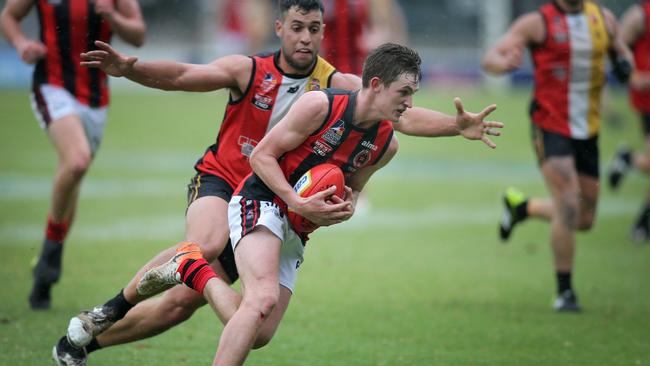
(211, 248)
(569, 212)
(586, 222)
(263, 303)
(263, 338)
(78, 165)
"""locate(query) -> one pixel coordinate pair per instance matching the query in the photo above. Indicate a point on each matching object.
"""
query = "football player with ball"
(350, 130)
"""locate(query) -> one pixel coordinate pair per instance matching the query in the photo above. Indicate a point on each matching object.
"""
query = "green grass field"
(421, 279)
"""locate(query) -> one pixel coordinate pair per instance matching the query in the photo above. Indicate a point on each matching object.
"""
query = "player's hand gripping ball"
(316, 179)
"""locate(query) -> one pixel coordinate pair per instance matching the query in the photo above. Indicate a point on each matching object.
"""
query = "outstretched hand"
(108, 60)
(473, 126)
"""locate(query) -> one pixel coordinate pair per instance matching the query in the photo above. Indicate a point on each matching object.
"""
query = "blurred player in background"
(243, 26)
(356, 26)
(569, 41)
(635, 32)
(70, 102)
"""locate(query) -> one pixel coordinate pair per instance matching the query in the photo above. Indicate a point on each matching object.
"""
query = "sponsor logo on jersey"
(262, 101)
(314, 84)
(362, 158)
(369, 145)
(321, 148)
(293, 89)
(247, 145)
(334, 134)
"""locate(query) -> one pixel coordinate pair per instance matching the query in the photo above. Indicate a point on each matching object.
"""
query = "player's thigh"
(69, 138)
(560, 176)
(59, 113)
(258, 256)
(555, 155)
(206, 224)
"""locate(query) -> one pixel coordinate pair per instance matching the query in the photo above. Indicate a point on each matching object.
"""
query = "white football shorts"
(244, 215)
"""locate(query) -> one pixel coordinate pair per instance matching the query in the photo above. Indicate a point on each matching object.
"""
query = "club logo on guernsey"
(334, 134)
(261, 99)
(247, 145)
(268, 84)
(314, 84)
(362, 158)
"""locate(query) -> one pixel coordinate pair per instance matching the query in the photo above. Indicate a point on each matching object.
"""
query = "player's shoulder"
(234, 63)
(529, 27)
(315, 97)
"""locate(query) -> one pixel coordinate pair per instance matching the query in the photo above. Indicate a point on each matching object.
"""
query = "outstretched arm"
(226, 72)
(14, 11)
(304, 117)
(424, 122)
(429, 123)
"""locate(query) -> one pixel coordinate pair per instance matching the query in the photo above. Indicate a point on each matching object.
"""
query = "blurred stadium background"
(450, 34)
(419, 279)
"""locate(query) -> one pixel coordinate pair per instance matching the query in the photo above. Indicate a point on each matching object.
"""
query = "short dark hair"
(388, 62)
(304, 5)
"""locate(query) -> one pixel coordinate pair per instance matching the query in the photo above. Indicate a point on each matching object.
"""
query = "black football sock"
(563, 281)
(521, 210)
(93, 346)
(117, 307)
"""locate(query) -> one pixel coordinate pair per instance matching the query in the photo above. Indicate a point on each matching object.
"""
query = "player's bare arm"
(14, 11)
(620, 52)
(631, 28)
(472, 126)
(304, 117)
(507, 54)
(227, 72)
(125, 19)
(424, 122)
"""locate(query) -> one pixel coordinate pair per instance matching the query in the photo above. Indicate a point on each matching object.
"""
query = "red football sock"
(195, 273)
(56, 232)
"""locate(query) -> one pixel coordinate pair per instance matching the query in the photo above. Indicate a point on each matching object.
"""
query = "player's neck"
(570, 6)
(366, 114)
(287, 69)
